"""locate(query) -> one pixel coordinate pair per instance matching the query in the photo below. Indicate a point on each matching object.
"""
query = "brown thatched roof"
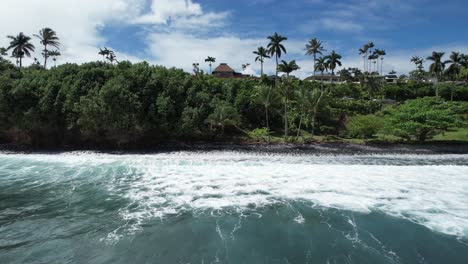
(223, 67)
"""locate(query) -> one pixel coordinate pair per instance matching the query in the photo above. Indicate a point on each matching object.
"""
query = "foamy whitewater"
(231, 207)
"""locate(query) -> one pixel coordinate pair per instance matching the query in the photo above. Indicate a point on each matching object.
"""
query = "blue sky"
(180, 32)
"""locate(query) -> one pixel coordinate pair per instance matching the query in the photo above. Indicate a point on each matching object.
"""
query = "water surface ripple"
(233, 207)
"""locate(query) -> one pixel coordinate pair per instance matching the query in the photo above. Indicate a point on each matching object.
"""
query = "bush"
(364, 126)
(259, 134)
(423, 118)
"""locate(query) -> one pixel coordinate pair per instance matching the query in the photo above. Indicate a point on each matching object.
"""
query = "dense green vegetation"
(138, 104)
(114, 103)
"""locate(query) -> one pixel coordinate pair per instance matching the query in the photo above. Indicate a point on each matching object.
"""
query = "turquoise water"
(229, 207)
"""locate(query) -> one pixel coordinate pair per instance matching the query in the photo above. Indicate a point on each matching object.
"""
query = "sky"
(177, 33)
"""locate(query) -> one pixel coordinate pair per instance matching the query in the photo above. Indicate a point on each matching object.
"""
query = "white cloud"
(77, 22)
(164, 10)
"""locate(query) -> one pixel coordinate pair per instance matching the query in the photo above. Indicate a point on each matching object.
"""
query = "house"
(391, 78)
(224, 71)
(326, 78)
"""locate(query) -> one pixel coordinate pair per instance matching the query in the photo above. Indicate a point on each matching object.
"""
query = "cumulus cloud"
(163, 10)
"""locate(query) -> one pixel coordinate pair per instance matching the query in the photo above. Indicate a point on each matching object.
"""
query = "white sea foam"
(430, 192)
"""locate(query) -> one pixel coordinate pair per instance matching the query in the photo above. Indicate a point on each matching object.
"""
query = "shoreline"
(325, 148)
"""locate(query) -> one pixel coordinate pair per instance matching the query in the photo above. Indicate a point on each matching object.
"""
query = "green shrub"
(259, 134)
(423, 118)
(364, 126)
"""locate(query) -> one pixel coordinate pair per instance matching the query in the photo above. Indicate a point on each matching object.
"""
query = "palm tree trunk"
(261, 68)
(21, 62)
(286, 118)
(210, 69)
(315, 55)
(268, 124)
(276, 80)
(299, 128)
(45, 56)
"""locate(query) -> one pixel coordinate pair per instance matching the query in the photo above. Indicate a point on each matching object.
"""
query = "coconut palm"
(21, 46)
(313, 48)
(381, 54)
(286, 92)
(261, 53)
(373, 59)
(210, 60)
(54, 54)
(370, 45)
(456, 64)
(437, 67)
(333, 60)
(288, 67)
(314, 99)
(3, 52)
(363, 53)
(48, 37)
(464, 60)
(276, 48)
(418, 61)
(104, 53)
(267, 96)
(321, 65)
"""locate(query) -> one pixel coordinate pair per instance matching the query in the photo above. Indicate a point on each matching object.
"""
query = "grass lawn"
(460, 134)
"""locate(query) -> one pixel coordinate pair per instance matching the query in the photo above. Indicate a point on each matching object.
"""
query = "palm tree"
(333, 60)
(3, 52)
(370, 45)
(363, 52)
(288, 67)
(54, 54)
(275, 48)
(286, 90)
(210, 60)
(464, 60)
(21, 47)
(321, 65)
(314, 47)
(418, 61)
(373, 59)
(266, 96)
(314, 99)
(48, 37)
(437, 67)
(381, 54)
(261, 53)
(104, 53)
(456, 63)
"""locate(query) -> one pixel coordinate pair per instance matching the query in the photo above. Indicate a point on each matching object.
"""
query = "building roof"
(223, 67)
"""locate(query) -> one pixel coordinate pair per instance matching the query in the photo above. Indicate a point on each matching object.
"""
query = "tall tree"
(313, 48)
(288, 67)
(21, 46)
(276, 48)
(54, 54)
(381, 54)
(262, 54)
(267, 96)
(286, 91)
(210, 60)
(321, 65)
(3, 52)
(370, 45)
(48, 37)
(437, 67)
(363, 53)
(418, 61)
(333, 60)
(455, 64)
